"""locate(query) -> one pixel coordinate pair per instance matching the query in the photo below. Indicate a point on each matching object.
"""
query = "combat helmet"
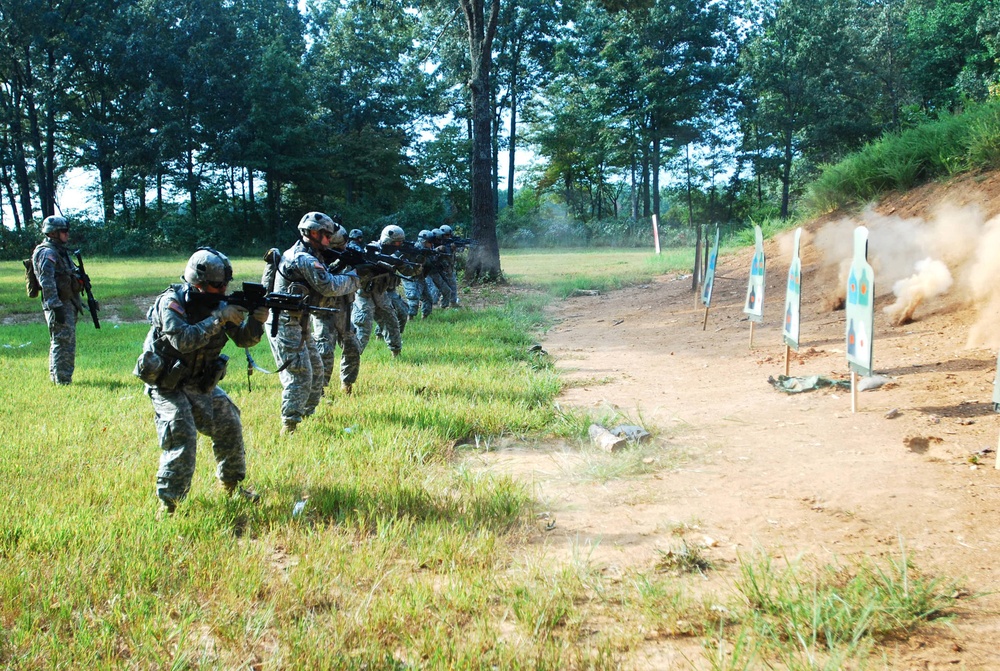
(356, 234)
(54, 224)
(316, 221)
(339, 236)
(208, 266)
(446, 229)
(392, 234)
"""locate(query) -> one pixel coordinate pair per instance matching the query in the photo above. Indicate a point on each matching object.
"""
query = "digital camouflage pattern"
(60, 304)
(183, 329)
(302, 380)
(372, 304)
(329, 330)
(418, 297)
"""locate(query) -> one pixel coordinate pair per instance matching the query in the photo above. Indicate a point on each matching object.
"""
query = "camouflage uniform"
(330, 329)
(300, 272)
(373, 303)
(185, 398)
(434, 272)
(60, 304)
(417, 293)
(448, 272)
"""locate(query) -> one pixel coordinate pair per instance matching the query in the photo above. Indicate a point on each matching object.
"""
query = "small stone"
(892, 413)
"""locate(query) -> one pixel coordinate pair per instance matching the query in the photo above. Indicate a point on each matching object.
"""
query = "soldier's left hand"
(260, 314)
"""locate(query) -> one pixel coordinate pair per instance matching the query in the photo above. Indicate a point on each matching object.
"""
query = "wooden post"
(788, 351)
(751, 334)
(705, 322)
(854, 391)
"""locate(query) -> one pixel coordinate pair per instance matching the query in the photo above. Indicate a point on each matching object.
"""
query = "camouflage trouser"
(62, 348)
(438, 287)
(302, 379)
(180, 416)
(376, 307)
(400, 307)
(451, 279)
(327, 331)
(416, 292)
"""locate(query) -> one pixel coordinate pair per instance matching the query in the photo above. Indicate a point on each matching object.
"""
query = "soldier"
(329, 329)
(301, 271)
(372, 302)
(60, 295)
(436, 269)
(356, 239)
(450, 275)
(418, 297)
(182, 363)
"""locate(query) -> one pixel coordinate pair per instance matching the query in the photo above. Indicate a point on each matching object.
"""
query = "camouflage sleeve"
(246, 334)
(177, 332)
(45, 262)
(314, 273)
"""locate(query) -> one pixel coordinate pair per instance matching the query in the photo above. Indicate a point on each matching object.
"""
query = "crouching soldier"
(182, 363)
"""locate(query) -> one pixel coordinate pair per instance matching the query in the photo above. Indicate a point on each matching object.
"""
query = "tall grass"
(896, 162)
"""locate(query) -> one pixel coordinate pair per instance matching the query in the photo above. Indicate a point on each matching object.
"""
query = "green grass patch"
(561, 272)
(399, 557)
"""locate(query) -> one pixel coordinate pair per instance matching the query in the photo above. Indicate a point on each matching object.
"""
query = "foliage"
(952, 144)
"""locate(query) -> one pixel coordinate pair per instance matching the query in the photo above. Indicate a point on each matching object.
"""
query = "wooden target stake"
(788, 350)
(854, 391)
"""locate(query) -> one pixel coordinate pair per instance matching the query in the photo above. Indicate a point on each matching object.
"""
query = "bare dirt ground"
(792, 475)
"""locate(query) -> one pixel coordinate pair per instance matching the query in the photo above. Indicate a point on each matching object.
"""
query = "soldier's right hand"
(60, 314)
(230, 314)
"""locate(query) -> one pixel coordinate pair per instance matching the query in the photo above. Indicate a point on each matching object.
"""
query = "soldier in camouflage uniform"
(330, 329)
(450, 275)
(60, 295)
(436, 269)
(301, 271)
(182, 363)
(418, 297)
(372, 302)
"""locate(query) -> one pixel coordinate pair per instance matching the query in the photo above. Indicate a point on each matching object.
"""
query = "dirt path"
(741, 466)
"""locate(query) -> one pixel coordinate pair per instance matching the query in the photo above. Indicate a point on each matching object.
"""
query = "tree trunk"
(786, 175)
(484, 258)
(105, 176)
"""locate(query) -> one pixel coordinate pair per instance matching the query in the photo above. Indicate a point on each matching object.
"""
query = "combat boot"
(234, 491)
(395, 354)
(288, 427)
(347, 388)
(166, 509)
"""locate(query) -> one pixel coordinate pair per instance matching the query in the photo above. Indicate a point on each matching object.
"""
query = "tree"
(481, 22)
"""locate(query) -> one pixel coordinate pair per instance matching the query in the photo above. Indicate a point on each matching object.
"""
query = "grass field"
(401, 558)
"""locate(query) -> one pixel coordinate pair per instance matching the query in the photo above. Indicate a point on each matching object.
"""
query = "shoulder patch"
(176, 307)
(319, 264)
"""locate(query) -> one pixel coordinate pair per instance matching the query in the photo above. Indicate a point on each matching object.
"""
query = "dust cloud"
(955, 254)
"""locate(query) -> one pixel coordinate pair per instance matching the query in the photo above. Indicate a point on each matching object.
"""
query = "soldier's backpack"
(31, 284)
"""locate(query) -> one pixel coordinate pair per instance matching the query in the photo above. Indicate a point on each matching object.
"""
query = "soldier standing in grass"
(330, 329)
(418, 297)
(301, 271)
(373, 304)
(450, 274)
(182, 363)
(60, 294)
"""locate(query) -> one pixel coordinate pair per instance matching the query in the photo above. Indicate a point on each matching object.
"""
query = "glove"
(60, 314)
(230, 314)
(260, 314)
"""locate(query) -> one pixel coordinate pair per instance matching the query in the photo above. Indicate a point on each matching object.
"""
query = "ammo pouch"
(158, 371)
(149, 367)
(213, 373)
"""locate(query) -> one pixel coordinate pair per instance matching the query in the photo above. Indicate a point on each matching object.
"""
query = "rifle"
(371, 257)
(418, 255)
(84, 278)
(255, 295)
(462, 243)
